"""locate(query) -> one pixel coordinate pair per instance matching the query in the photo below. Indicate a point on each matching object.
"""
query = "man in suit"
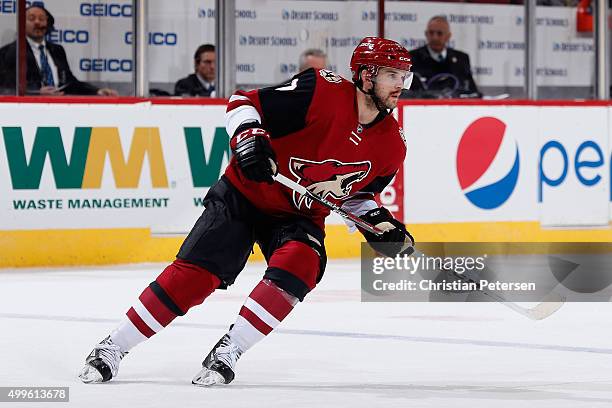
(438, 65)
(202, 81)
(47, 69)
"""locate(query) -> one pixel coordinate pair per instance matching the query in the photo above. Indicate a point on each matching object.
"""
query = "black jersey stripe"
(285, 106)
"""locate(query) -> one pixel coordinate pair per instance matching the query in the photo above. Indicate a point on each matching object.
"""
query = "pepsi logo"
(487, 163)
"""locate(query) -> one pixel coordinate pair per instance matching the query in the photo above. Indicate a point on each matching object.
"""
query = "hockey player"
(335, 137)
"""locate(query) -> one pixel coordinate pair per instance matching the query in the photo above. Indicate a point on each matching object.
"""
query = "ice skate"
(218, 366)
(102, 364)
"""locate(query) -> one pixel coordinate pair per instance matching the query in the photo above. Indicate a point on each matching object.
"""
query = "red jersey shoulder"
(330, 83)
(333, 96)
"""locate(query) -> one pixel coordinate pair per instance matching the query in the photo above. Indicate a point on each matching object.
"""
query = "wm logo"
(90, 149)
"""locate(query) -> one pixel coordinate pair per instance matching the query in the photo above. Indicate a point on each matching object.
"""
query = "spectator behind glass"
(442, 68)
(202, 82)
(313, 58)
(47, 69)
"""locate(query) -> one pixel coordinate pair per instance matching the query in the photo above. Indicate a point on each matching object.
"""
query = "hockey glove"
(254, 154)
(395, 240)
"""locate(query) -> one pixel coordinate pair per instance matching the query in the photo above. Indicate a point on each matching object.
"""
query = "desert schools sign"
(108, 165)
(271, 34)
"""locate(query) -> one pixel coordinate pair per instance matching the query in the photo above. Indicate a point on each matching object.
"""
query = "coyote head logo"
(329, 178)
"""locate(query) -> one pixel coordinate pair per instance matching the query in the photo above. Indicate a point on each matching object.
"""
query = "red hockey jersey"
(319, 143)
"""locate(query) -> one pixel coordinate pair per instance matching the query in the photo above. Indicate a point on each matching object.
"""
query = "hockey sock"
(263, 310)
(147, 316)
(178, 288)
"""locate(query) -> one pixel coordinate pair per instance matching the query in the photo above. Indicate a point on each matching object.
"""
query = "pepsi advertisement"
(545, 164)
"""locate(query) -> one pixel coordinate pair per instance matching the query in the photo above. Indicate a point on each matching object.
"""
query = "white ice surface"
(332, 351)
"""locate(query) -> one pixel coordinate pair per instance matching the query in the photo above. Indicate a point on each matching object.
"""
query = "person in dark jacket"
(441, 67)
(202, 81)
(47, 69)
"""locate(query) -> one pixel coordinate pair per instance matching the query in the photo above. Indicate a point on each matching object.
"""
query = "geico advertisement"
(80, 166)
(511, 163)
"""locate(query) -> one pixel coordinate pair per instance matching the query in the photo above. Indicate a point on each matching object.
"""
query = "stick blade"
(549, 305)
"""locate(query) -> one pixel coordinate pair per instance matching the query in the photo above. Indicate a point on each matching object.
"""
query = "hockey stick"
(287, 182)
(549, 305)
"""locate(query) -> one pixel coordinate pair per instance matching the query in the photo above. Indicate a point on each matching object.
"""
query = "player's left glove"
(254, 154)
(395, 240)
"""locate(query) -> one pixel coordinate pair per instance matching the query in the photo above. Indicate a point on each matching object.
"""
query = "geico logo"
(105, 65)
(105, 10)
(10, 6)
(588, 156)
(154, 38)
(68, 36)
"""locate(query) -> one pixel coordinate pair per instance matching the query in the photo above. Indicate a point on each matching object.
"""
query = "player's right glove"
(395, 240)
(254, 155)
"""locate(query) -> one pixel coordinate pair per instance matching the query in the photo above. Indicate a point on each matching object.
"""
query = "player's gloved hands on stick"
(254, 154)
(395, 240)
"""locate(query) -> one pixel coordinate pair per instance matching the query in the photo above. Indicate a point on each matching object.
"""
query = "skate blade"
(90, 375)
(207, 378)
